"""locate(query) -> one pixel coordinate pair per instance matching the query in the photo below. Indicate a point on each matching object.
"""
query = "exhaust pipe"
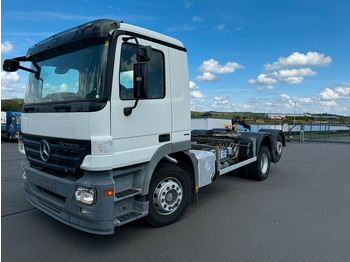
(213, 177)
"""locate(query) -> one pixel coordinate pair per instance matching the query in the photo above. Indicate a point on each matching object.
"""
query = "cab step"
(129, 217)
(127, 193)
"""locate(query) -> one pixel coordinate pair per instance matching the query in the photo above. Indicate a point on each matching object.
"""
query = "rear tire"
(169, 195)
(260, 169)
(277, 149)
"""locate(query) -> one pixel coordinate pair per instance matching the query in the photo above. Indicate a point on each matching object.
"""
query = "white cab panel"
(136, 137)
(181, 112)
(70, 125)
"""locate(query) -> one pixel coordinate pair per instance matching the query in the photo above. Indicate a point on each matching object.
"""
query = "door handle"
(164, 138)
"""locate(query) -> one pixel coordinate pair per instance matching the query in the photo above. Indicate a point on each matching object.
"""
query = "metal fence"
(320, 132)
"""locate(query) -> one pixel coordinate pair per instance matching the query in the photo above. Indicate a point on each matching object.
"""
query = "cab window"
(156, 83)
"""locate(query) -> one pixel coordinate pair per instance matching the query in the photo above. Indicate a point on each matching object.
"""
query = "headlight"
(20, 143)
(85, 195)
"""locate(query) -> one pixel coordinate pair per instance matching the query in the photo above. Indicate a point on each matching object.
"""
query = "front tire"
(169, 195)
(260, 169)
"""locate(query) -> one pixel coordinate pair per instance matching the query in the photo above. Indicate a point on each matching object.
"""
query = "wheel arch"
(184, 158)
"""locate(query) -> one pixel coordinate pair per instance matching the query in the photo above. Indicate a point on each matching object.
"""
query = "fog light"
(86, 211)
(24, 175)
(85, 195)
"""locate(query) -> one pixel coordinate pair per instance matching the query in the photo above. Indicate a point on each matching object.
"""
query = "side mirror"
(145, 53)
(10, 65)
(141, 81)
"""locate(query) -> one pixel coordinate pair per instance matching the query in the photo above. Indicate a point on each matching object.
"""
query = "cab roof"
(96, 29)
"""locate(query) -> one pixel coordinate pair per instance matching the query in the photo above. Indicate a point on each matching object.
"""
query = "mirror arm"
(27, 69)
(128, 110)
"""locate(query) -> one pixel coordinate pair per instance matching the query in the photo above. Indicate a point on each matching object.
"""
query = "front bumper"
(55, 196)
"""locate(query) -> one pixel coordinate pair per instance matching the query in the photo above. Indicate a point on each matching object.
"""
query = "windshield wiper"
(64, 107)
(29, 108)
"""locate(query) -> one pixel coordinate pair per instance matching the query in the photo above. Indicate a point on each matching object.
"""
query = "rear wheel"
(169, 195)
(260, 169)
(278, 148)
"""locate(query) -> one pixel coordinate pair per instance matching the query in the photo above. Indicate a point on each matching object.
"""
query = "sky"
(262, 56)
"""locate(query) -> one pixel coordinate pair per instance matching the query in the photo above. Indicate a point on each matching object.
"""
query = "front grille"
(66, 155)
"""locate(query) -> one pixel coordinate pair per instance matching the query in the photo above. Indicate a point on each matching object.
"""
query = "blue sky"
(256, 56)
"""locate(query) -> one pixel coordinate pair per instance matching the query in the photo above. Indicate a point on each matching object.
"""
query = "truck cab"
(10, 125)
(93, 123)
(106, 129)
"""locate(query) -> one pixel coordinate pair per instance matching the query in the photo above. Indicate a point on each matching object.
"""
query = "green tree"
(14, 104)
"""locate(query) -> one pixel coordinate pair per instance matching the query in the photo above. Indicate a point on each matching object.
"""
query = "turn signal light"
(109, 193)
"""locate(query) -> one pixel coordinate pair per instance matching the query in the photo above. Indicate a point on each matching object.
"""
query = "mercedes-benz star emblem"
(44, 150)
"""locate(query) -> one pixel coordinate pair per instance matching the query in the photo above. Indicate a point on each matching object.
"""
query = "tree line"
(14, 104)
(261, 118)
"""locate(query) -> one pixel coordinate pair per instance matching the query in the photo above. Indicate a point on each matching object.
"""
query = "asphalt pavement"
(300, 213)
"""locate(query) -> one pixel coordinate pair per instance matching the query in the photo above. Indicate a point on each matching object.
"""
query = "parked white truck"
(106, 130)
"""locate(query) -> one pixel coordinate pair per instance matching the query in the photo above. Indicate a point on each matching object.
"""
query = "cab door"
(138, 136)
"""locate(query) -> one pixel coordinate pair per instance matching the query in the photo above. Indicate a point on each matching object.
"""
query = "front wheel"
(260, 169)
(169, 195)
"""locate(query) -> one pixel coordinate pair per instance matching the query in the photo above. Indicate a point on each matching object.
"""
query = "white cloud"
(207, 77)
(305, 100)
(11, 86)
(328, 103)
(220, 27)
(197, 95)
(188, 4)
(283, 97)
(264, 80)
(300, 60)
(197, 19)
(221, 102)
(294, 76)
(9, 78)
(328, 94)
(213, 66)
(287, 76)
(6, 47)
(245, 106)
(262, 88)
(344, 89)
(193, 85)
(63, 87)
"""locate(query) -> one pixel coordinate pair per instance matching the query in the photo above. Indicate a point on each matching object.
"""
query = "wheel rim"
(278, 148)
(264, 163)
(167, 196)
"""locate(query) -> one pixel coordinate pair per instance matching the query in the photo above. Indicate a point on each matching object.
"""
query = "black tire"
(172, 185)
(260, 169)
(277, 149)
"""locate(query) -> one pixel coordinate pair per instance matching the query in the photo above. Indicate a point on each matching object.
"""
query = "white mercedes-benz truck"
(106, 130)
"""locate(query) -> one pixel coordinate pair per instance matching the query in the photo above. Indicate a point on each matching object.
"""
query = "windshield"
(74, 72)
(18, 120)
